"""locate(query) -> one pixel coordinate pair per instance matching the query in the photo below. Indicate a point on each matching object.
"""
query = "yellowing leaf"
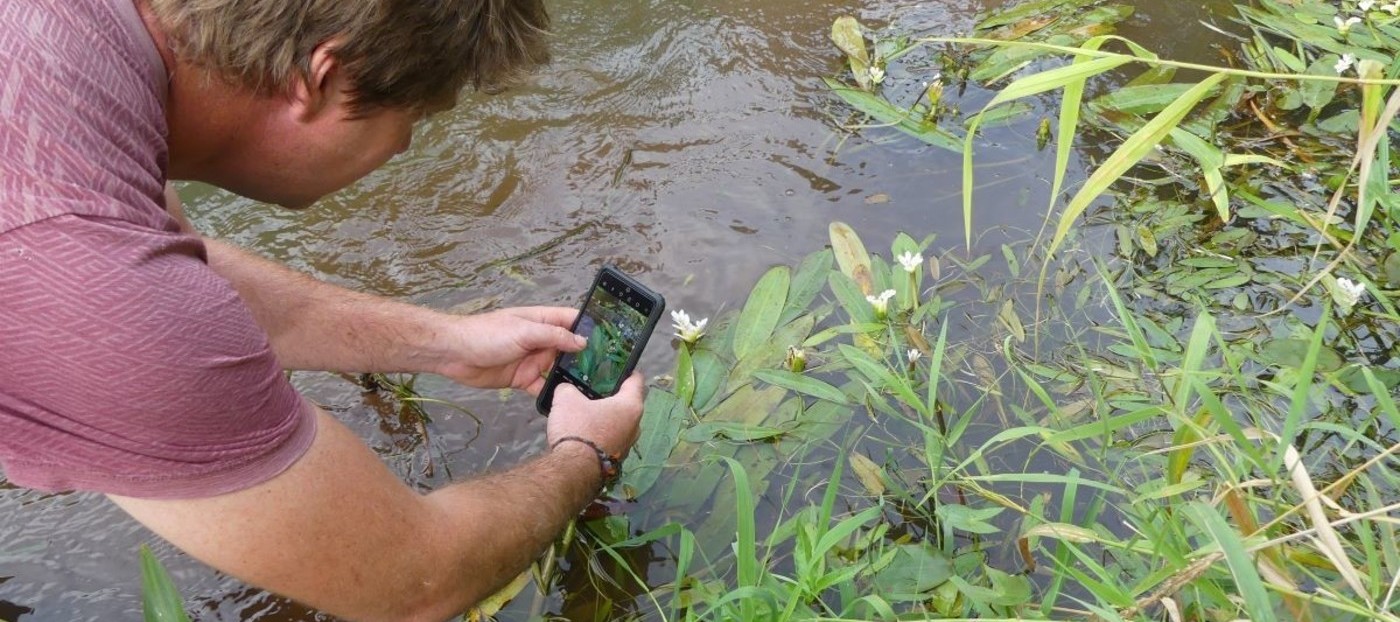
(868, 473)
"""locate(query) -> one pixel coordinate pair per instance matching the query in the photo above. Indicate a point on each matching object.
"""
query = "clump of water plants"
(1198, 423)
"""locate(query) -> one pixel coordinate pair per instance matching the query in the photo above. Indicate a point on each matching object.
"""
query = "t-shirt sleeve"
(129, 367)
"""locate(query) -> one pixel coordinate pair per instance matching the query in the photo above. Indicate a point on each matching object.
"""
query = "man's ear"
(317, 91)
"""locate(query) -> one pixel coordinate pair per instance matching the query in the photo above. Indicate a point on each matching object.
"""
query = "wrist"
(442, 349)
(608, 466)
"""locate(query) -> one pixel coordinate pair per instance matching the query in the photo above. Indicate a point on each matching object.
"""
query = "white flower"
(687, 331)
(881, 303)
(1365, 5)
(1344, 25)
(877, 75)
(910, 261)
(1348, 293)
(1392, 8)
(1345, 63)
(913, 355)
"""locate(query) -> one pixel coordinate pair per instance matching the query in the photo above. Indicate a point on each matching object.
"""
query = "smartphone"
(617, 317)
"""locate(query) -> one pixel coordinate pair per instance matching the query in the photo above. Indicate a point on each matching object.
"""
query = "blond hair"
(398, 53)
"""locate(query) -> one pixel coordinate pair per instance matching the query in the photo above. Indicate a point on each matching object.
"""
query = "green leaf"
(685, 375)
(1211, 160)
(773, 351)
(900, 119)
(1140, 100)
(967, 519)
(1257, 602)
(662, 420)
(760, 314)
(805, 385)
(738, 432)
(160, 600)
(1031, 10)
(748, 405)
(1129, 154)
(1319, 93)
(807, 282)
(915, 569)
(851, 298)
(710, 373)
(1293, 352)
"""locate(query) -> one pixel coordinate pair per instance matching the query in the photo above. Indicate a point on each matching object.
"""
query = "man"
(144, 362)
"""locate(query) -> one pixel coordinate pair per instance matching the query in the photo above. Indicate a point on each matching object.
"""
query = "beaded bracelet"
(610, 463)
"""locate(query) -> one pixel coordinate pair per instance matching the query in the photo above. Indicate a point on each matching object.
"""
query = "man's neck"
(206, 117)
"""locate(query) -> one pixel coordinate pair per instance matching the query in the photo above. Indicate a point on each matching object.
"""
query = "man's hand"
(612, 423)
(509, 348)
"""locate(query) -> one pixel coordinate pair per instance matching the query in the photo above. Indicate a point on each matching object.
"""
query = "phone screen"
(613, 329)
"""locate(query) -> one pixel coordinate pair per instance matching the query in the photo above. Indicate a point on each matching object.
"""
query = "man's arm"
(338, 531)
(314, 325)
(319, 326)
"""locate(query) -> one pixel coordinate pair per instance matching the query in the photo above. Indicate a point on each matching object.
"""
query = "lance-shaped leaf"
(1129, 154)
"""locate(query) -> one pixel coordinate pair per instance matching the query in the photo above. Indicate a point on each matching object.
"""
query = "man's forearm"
(338, 531)
(540, 497)
(316, 325)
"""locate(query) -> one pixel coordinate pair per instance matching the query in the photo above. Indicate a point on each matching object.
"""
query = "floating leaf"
(1392, 270)
(710, 373)
(905, 121)
(1062, 531)
(799, 383)
(1147, 240)
(914, 570)
(869, 474)
(1292, 353)
(685, 375)
(662, 420)
(1319, 93)
(807, 282)
(761, 312)
(851, 298)
(1140, 100)
(851, 256)
(964, 518)
(738, 432)
(846, 34)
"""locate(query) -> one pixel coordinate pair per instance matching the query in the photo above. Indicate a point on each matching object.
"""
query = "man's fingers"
(544, 337)
(558, 316)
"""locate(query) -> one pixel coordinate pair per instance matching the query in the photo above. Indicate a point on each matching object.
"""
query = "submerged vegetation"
(1181, 406)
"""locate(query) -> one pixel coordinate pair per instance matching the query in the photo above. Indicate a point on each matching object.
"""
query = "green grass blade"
(1241, 564)
(1299, 402)
(1196, 348)
(160, 600)
(1072, 75)
(1129, 154)
(1125, 318)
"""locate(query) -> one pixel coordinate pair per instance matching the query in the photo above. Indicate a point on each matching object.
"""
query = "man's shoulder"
(82, 128)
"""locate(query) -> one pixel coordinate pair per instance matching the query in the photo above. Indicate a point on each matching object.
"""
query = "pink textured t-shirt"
(127, 365)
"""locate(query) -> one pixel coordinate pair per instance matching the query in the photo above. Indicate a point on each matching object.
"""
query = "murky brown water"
(688, 141)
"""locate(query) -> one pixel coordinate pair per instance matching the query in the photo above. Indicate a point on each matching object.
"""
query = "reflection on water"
(687, 141)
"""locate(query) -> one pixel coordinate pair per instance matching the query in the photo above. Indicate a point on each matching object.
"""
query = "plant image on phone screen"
(613, 329)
